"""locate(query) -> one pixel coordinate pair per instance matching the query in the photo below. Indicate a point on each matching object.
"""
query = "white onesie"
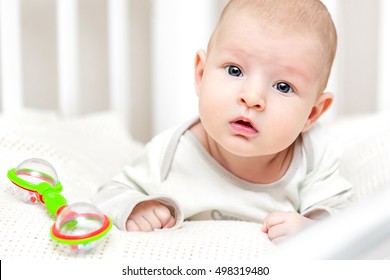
(175, 169)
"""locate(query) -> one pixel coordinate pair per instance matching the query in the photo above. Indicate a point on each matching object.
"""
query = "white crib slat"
(177, 33)
(119, 72)
(68, 62)
(334, 83)
(383, 100)
(11, 61)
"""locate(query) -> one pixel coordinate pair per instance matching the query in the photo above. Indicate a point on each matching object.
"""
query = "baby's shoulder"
(169, 138)
(318, 137)
(319, 145)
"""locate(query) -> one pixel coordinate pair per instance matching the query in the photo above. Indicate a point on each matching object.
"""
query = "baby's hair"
(291, 17)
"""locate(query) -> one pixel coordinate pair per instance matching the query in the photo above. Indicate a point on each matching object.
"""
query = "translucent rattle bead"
(33, 172)
(80, 226)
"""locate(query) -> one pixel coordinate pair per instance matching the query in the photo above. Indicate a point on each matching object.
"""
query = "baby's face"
(258, 88)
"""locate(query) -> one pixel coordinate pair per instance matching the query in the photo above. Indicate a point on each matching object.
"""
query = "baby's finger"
(171, 222)
(132, 226)
(153, 220)
(141, 222)
(271, 220)
(163, 215)
(264, 228)
(277, 231)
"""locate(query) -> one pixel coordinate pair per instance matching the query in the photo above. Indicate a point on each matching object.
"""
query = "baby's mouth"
(244, 125)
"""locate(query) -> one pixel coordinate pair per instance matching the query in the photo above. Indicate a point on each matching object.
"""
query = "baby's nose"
(252, 98)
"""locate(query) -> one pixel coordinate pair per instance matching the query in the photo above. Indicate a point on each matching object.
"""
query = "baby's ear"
(322, 105)
(200, 61)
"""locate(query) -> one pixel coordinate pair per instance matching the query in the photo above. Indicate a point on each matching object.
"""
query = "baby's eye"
(233, 71)
(283, 87)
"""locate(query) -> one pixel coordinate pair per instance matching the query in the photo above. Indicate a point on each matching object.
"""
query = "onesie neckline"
(222, 171)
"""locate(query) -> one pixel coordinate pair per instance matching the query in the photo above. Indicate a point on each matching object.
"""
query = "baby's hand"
(281, 224)
(149, 215)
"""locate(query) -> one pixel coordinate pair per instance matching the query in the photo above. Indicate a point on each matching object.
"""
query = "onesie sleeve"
(324, 190)
(139, 181)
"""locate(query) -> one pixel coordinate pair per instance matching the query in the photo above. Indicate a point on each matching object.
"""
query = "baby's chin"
(251, 150)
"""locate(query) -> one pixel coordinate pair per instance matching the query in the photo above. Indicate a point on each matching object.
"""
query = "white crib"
(134, 58)
(77, 57)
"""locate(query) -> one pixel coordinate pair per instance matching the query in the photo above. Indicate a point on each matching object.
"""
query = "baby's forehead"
(285, 52)
(233, 27)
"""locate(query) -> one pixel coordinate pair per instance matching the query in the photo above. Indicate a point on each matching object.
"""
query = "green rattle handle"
(52, 199)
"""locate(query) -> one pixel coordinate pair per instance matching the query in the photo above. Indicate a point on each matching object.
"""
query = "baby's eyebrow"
(236, 50)
(300, 73)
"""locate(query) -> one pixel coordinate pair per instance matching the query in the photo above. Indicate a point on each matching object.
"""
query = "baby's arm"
(279, 225)
(150, 215)
(122, 202)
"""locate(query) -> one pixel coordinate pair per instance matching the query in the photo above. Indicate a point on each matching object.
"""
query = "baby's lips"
(244, 124)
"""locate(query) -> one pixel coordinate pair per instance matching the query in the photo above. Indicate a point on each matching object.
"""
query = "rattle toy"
(80, 225)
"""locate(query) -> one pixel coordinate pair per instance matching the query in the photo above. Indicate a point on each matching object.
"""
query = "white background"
(136, 57)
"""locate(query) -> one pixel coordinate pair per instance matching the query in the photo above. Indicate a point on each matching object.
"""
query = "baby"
(255, 153)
